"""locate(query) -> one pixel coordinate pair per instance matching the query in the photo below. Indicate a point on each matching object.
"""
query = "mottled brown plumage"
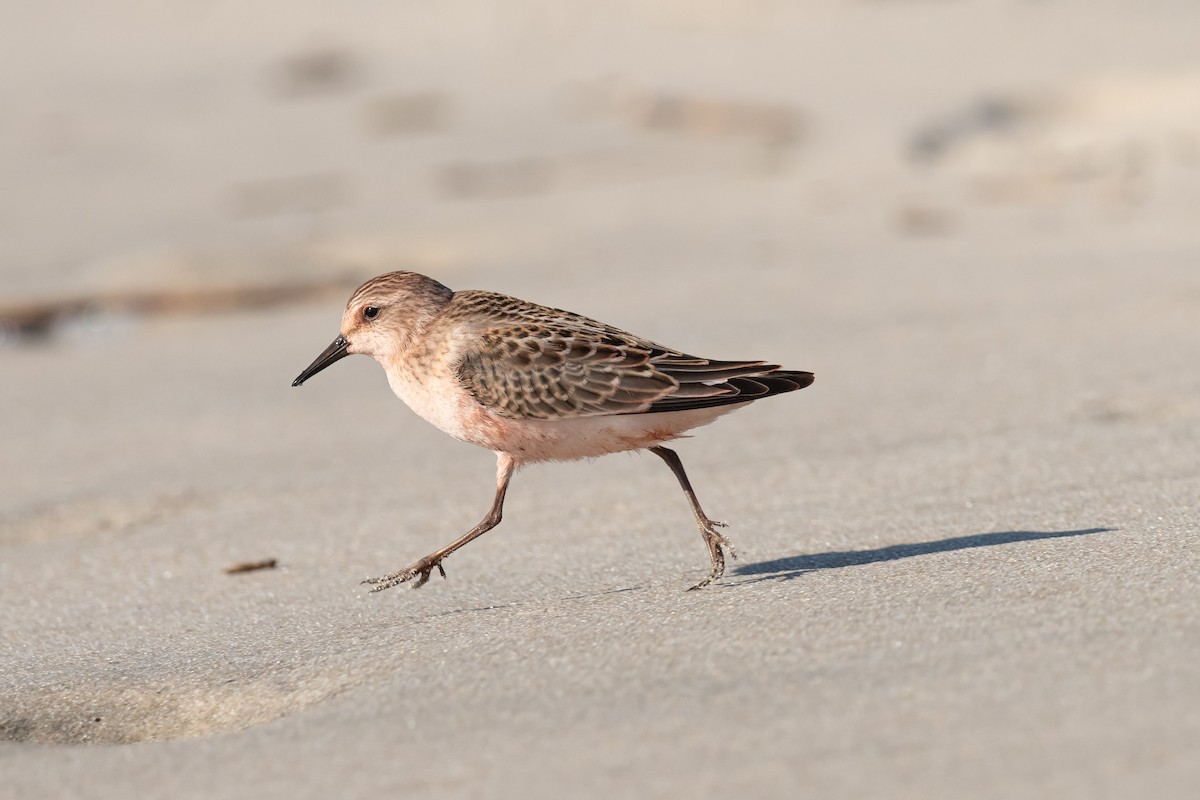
(536, 362)
(534, 383)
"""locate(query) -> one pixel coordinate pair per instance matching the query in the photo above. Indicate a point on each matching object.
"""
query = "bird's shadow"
(794, 566)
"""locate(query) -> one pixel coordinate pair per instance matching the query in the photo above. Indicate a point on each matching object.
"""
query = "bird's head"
(382, 317)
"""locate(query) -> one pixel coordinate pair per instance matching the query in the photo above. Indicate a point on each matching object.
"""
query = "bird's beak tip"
(335, 352)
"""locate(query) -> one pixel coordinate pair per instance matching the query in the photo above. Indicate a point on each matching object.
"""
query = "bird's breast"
(435, 395)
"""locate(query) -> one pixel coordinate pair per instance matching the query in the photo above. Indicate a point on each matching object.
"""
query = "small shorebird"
(533, 383)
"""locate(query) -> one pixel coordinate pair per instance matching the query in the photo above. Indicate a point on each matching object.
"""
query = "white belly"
(589, 437)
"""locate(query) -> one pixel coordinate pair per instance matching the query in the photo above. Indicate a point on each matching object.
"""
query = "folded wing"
(555, 371)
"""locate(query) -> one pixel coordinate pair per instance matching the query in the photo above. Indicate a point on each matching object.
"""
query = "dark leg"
(505, 466)
(714, 540)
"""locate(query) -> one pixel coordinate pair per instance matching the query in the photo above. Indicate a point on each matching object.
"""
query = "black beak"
(335, 351)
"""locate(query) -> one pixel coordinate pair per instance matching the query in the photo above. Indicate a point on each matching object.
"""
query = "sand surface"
(968, 552)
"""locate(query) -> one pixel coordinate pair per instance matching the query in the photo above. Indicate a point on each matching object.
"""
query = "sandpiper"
(533, 383)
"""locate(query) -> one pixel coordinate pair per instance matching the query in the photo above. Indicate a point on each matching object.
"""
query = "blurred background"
(197, 145)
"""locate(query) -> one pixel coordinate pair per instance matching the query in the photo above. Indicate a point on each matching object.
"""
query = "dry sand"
(969, 552)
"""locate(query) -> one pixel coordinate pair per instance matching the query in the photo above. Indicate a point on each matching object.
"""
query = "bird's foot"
(420, 570)
(717, 545)
(710, 534)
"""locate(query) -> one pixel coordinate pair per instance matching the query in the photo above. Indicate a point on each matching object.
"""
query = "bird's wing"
(536, 362)
(539, 371)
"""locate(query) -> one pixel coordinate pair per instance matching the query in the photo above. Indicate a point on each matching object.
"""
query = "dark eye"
(370, 312)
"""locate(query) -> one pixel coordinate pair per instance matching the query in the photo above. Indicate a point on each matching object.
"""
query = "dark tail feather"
(741, 389)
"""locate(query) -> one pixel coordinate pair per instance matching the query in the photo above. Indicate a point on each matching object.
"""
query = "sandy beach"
(968, 553)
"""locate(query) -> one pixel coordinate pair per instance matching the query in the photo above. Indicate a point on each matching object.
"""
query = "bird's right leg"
(505, 466)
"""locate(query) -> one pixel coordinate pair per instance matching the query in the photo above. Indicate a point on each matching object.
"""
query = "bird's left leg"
(505, 465)
(708, 527)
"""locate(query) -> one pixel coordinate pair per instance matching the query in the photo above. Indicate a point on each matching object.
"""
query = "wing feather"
(536, 372)
(533, 362)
